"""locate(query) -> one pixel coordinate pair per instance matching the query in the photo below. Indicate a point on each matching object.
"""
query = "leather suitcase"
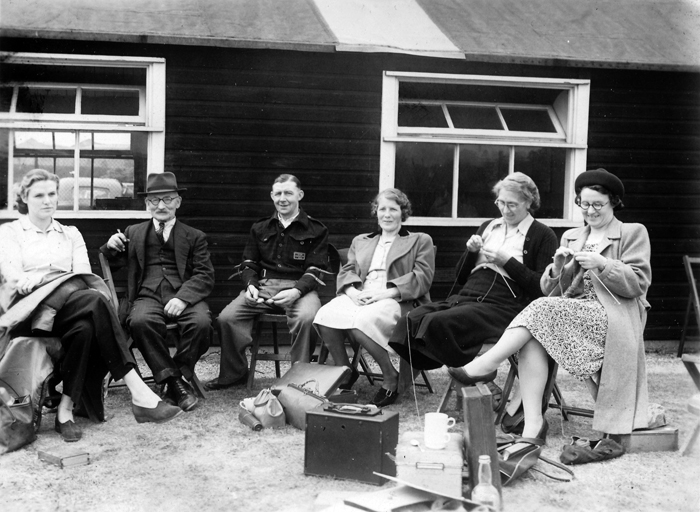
(436, 470)
(351, 446)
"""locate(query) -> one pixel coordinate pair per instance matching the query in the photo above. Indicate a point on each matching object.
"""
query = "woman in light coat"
(595, 312)
(388, 273)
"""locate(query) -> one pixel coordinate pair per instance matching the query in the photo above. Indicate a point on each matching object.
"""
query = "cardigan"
(538, 248)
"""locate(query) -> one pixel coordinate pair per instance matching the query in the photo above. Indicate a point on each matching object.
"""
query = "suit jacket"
(410, 267)
(622, 403)
(191, 257)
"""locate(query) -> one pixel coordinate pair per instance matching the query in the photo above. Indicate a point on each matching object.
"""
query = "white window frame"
(151, 117)
(571, 133)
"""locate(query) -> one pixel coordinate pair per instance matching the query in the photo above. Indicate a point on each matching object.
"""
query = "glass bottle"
(485, 493)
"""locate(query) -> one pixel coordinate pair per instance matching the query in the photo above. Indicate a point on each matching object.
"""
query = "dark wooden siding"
(237, 118)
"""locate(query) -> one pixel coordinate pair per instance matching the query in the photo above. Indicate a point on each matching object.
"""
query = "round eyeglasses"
(502, 204)
(596, 206)
(155, 201)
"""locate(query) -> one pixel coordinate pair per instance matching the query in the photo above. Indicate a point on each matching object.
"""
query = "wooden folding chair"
(692, 364)
(693, 301)
(173, 331)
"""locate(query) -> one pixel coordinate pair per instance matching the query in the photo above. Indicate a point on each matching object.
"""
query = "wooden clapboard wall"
(237, 118)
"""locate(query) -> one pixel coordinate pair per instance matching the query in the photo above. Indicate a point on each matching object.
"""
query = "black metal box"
(351, 446)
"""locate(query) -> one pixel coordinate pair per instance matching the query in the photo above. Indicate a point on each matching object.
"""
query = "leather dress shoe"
(385, 397)
(181, 393)
(213, 385)
(159, 414)
(354, 375)
(460, 375)
(70, 432)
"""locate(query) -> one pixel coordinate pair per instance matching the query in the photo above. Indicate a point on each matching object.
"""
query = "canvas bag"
(16, 419)
(297, 400)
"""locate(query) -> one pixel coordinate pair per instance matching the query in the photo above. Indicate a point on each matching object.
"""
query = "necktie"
(159, 232)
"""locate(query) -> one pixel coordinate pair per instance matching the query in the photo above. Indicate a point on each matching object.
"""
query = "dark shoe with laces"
(70, 432)
(385, 397)
(181, 393)
(354, 375)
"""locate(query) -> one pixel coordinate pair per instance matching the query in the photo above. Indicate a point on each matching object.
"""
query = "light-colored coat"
(622, 402)
(410, 267)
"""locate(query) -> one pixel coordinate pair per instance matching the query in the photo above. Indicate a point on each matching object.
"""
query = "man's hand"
(117, 242)
(286, 298)
(175, 307)
(252, 295)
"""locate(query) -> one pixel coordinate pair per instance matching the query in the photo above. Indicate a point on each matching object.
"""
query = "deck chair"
(173, 330)
(693, 301)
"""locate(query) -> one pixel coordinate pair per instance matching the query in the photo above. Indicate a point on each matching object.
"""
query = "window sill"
(436, 221)
(88, 214)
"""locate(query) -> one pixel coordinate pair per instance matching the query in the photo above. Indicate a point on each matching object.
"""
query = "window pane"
(475, 118)
(46, 101)
(112, 103)
(528, 120)
(424, 174)
(34, 140)
(111, 170)
(480, 167)
(5, 98)
(420, 115)
(547, 168)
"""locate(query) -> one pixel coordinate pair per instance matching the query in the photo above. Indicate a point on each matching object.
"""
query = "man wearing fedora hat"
(169, 277)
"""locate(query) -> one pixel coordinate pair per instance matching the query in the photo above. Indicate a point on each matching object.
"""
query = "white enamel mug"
(435, 435)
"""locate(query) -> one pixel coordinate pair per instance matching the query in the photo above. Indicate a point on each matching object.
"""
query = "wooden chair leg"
(507, 390)
(276, 349)
(254, 355)
(692, 438)
(685, 324)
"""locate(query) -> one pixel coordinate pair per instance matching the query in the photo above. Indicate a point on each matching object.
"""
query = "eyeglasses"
(596, 206)
(502, 204)
(155, 201)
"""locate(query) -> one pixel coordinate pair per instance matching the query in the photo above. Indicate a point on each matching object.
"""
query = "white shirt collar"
(29, 225)
(169, 224)
(523, 227)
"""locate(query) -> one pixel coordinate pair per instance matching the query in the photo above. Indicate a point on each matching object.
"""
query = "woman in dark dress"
(500, 271)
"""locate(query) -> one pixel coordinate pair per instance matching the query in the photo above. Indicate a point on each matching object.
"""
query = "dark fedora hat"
(600, 177)
(161, 182)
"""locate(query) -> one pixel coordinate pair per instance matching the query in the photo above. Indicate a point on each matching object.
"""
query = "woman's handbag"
(297, 400)
(16, 420)
(582, 450)
(268, 410)
(512, 464)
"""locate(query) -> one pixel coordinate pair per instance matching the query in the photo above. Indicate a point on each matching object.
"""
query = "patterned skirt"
(572, 331)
